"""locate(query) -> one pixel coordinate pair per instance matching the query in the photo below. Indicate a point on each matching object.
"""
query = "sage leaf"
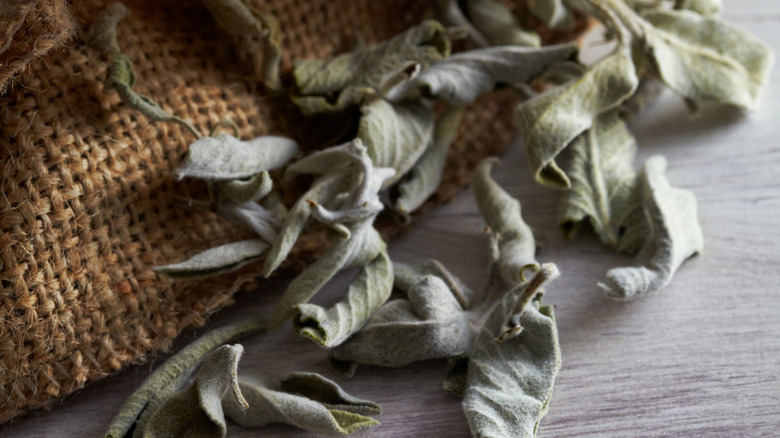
(428, 324)
(516, 244)
(252, 216)
(268, 404)
(451, 14)
(335, 84)
(406, 275)
(705, 58)
(510, 382)
(218, 260)
(331, 327)
(361, 247)
(603, 190)
(426, 175)
(555, 14)
(321, 191)
(225, 157)
(197, 411)
(102, 33)
(674, 235)
(248, 189)
(272, 53)
(396, 135)
(498, 24)
(169, 376)
(463, 77)
(234, 16)
(553, 119)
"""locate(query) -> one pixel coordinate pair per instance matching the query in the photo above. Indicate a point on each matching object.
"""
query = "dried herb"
(235, 17)
(463, 77)
(552, 120)
(249, 189)
(429, 323)
(225, 157)
(703, 7)
(603, 182)
(498, 25)
(167, 379)
(674, 235)
(335, 84)
(555, 14)
(510, 379)
(102, 34)
(407, 275)
(516, 244)
(252, 216)
(217, 260)
(305, 400)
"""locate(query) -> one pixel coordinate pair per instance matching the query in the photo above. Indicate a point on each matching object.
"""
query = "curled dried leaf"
(248, 189)
(225, 157)
(252, 216)
(218, 260)
(407, 275)
(516, 244)
(496, 22)
(674, 235)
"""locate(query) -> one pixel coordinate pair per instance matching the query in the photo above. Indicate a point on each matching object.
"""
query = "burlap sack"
(89, 202)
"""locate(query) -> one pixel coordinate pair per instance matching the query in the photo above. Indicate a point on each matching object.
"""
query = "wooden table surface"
(699, 358)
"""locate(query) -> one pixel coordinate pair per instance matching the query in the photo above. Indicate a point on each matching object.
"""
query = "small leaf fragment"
(225, 157)
(674, 235)
(553, 119)
(516, 244)
(218, 260)
(498, 24)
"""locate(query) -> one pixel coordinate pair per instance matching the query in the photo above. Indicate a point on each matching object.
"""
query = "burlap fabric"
(89, 203)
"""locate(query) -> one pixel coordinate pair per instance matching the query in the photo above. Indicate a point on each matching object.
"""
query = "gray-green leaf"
(226, 157)
(499, 25)
(309, 402)
(510, 382)
(553, 13)
(218, 260)
(674, 235)
(396, 135)
(197, 411)
(335, 84)
(603, 181)
(407, 275)
(516, 244)
(707, 59)
(426, 175)
(552, 120)
(331, 327)
(703, 7)
(463, 77)
(248, 189)
(102, 34)
(252, 216)
(429, 324)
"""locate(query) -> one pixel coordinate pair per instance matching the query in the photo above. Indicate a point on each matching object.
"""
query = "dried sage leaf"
(197, 411)
(498, 24)
(396, 135)
(555, 14)
(335, 84)
(322, 190)
(703, 7)
(252, 216)
(603, 182)
(426, 175)
(305, 402)
(428, 324)
(102, 34)
(225, 157)
(330, 327)
(450, 13)
(674, 235)
(167, 378)
(463, 77)
(248, 189)
(705, 58)
(553, 119)
(510, 381)
(516, 244)
(272, 53)
(360, 248)
(218, 260)
(406, 275)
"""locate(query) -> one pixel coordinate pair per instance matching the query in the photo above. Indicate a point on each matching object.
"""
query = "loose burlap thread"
(90, 203)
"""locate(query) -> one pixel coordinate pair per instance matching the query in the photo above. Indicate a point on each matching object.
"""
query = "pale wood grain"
(699, 358)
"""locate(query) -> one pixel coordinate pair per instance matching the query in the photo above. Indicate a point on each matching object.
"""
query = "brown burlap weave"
(89, 202)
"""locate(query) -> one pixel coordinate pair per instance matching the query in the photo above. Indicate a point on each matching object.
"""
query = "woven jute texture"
(89, 202)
